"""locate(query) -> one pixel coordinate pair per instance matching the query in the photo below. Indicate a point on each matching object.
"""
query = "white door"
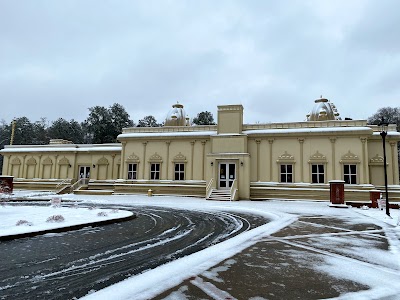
(227, 174)
(84, 172)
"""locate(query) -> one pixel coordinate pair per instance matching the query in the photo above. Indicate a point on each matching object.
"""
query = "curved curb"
(65, 229)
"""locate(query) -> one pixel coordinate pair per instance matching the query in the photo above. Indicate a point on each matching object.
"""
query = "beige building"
(230, 160)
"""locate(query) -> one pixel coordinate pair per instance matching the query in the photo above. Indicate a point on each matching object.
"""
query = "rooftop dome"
(177, 116)
(323, 110)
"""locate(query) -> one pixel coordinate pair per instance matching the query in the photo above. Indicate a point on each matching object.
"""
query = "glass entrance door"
(227, 174)
(84, 172)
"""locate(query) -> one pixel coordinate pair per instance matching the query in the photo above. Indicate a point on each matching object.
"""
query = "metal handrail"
(80, 182)
(62, 183)
(209, 188)
(233, 189)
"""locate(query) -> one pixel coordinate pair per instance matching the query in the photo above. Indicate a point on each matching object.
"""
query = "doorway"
(84, 172)
(227, 174)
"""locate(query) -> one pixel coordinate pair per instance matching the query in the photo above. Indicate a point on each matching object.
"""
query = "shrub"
(55, 219)
(92, 207)
(114, 211)
(24, 222)
(102, 214)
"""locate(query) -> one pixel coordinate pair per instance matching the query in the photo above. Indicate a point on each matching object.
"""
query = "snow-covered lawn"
(281, 214)
(16, 220)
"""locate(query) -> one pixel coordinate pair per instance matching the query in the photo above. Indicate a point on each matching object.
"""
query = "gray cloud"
(58, 58)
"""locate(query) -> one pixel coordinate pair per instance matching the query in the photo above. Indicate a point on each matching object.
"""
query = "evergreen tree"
(104, 124)
(204, 118)
(67, 130)
(148, 121)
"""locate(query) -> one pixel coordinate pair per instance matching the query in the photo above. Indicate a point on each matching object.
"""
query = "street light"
(384, 128)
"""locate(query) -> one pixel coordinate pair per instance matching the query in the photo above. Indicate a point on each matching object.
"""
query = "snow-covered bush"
(24, 222)
(92, 207)
(102, 214)
(115, 211)
(55, 219)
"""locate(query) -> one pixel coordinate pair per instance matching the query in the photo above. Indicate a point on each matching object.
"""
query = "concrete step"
(220, 195)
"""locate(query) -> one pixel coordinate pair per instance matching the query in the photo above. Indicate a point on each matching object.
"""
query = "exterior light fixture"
(384, 129)
(241, 163)
(212, 163)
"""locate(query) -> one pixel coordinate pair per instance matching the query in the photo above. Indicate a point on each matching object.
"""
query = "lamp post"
(384, 128)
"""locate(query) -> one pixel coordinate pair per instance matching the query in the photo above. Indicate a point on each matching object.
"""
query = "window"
(286, 173)
(132, 171)
(179, 171)
(350, 174)
(155, 171)
(317, 174)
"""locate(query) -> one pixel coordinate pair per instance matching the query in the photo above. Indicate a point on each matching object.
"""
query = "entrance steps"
(220, 195)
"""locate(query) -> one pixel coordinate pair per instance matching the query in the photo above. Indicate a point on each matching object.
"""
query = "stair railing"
(233, 190)
(80, 182)
(209, 188)
(61, 183)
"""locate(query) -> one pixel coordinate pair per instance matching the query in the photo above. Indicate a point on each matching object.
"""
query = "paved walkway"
(316, 257)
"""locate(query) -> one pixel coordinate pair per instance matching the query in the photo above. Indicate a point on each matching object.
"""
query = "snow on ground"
(282, 214)
(19, 219)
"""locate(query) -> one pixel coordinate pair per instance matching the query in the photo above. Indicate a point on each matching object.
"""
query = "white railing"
(62, 183)
(209, 188)
(80, 182)
(233, 190)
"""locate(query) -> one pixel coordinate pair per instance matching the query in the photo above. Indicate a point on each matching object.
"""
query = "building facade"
(230, 160)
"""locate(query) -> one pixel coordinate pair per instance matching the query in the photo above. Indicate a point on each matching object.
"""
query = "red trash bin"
(6, 184)
(336, 192)
(374, 195)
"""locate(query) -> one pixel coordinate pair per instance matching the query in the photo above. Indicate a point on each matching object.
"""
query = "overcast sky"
(58, 58)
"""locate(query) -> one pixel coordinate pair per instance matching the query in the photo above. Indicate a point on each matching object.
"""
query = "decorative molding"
(155, 158)
(301, 140)
(15, 161)
(31, 161)
(377, 160)
(179, 158)
(350, 158)
(103, 161)
(317, 158)
(47, 161)
(133, 158)
(286, 158)
(63, 161)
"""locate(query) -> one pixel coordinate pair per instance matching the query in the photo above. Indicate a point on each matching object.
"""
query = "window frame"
(134, 172)
(284, 175)
(318, 173)
(180, 173)
(349, 174)
(155, 174)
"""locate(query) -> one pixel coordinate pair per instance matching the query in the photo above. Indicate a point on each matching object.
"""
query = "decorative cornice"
(15, 161)
(179, 158)
(31, 161)
(63, 161)
(317, 158)
(133, 158)
(155, 158)
(285, 158)
(377, 160)
(47, 161)
(103, 161)
(349, 158)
